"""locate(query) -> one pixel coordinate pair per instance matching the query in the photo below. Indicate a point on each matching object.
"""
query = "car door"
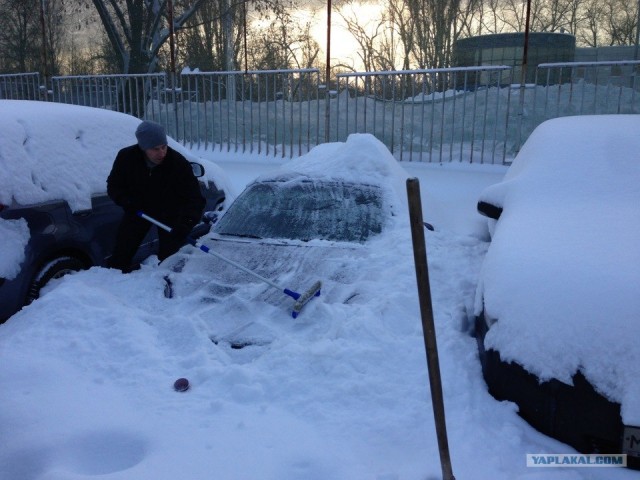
(101, 223)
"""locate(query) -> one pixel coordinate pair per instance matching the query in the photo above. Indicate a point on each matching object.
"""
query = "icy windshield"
(305, 210)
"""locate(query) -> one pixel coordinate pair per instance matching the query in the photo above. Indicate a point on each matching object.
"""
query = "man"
(152, 178)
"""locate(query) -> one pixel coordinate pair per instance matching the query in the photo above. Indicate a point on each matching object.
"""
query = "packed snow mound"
(362, 158)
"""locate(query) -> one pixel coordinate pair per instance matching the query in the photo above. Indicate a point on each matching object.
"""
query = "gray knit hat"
(150, 135)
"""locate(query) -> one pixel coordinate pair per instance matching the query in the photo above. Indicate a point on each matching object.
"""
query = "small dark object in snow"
(181, 385)
(168, 287)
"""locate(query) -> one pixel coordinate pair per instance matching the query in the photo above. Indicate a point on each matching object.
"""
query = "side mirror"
(489, 210)
(197, 169)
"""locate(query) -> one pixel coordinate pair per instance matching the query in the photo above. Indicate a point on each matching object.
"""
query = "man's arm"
(191, 203)
(116, 183)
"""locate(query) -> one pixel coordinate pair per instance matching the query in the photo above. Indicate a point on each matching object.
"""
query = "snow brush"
(301, 298)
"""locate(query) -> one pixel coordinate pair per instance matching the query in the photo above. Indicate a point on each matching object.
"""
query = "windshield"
(305, 210)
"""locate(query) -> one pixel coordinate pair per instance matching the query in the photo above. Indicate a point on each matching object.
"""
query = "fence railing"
(272, 112)
(471, 114)
(124, 93)
(429, 115)
(20, 86)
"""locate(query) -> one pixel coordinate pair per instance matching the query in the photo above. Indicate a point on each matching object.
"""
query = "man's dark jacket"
(169, 191)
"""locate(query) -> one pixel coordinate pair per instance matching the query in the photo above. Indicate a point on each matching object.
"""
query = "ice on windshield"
(306, 210)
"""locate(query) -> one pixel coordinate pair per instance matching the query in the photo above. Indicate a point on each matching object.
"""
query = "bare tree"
(622, 21)
(553, 16)
(55, 34)
(18, 28)
(429, 28)
(77, 59)
(488, 19)
(282, 41)
(589, 31)
(574, 16)
(137, 29)
(469, 18)
(403, 28)
(203, 38)
(372, 38)
(31, 31)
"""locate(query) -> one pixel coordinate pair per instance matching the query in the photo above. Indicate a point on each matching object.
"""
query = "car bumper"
(574, 414)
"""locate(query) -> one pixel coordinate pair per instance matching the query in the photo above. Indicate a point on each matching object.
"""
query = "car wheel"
(56, 268)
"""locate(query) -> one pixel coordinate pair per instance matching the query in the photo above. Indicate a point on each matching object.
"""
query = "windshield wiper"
(241, 235)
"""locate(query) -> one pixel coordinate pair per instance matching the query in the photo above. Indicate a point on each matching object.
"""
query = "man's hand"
(129, 207)
(182, 229)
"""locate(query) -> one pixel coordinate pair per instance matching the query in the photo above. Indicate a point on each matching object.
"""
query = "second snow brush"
(301, 298)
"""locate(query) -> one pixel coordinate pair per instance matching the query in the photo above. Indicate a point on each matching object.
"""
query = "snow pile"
(562, 268)
(436, 96)
(361, 158)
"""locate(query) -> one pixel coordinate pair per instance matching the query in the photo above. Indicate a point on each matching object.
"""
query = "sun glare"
(344, 47)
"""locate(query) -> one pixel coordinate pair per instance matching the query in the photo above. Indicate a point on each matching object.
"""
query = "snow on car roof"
(561, 276)
(362, 159)
(52, 151)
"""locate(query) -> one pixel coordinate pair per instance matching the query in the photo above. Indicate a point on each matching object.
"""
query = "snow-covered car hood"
(561, 275)
(362, 180)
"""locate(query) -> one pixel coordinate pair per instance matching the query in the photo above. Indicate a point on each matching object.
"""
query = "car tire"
(56, 268)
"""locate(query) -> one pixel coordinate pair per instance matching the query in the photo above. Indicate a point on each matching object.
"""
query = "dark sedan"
(71, 221)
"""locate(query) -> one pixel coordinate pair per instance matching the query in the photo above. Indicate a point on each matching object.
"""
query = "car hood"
(297, 266)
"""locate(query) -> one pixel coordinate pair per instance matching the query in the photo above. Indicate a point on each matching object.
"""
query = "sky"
(341, 392)
(344, 46)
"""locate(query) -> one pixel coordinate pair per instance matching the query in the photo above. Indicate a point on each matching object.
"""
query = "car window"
(305, 210)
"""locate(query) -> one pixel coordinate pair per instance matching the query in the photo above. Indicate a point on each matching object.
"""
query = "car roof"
(361, 159)
(577, 150)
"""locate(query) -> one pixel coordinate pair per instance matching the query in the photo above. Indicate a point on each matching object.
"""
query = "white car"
(558, 299)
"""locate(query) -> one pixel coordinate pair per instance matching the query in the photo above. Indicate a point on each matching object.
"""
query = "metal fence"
(123, 93)
(471, 114)
(272, 112)
(478, 114)
(429, 115)
(20, 86)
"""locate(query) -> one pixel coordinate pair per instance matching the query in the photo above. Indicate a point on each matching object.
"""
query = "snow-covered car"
(55, 216)
(302, 223)
(558, 299)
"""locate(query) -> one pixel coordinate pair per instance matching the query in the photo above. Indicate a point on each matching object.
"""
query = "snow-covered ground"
(341, 392)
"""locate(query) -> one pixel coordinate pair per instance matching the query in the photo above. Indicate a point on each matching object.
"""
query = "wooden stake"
(428, 326)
